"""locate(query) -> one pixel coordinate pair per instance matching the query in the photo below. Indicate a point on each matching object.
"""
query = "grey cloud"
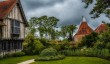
(68, 11)
(34, 4)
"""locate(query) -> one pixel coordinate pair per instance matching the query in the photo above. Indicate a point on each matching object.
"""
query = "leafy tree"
(45, 25)
(31, 29)
(101, 6)
(68, 30)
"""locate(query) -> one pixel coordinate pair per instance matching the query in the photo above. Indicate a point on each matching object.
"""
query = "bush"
(89, 40)
(91, 52)
(99, 45)
(1, 57)
(32, 45)
(50, 58)
(18, 54)
(48, 52)
(108, 46)
(44, 41)
(7, 55)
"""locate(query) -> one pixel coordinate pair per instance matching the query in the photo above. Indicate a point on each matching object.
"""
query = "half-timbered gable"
(12, 26)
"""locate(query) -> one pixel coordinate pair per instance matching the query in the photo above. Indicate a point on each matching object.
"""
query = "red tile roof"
(101, 28)
(6, 7)
(84, 29)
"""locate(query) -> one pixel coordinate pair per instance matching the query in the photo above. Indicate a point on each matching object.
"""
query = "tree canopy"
(44, 25)
(101, 6)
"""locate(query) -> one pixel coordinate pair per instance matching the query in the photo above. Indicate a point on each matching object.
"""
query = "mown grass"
(76, 60)
(15, 60)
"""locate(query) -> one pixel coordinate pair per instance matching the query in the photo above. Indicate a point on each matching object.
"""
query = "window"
(15, 28)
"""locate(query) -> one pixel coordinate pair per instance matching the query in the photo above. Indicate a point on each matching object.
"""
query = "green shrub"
(49, 58)
(48, 52)
(7, 55)
(32, 45)
(99, 45)
(108, 46)
(44, 41)
(1, 57)
(18, 54)
(89, 40)
(91, 52)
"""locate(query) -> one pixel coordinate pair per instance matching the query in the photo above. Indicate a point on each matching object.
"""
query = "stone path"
(27, 62)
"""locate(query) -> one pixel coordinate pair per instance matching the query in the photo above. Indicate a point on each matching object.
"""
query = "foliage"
(32, 45)
(44, 41)
(89, 40)
(31, 29)
(91, 52)
(104, 37)
(18, 54)
(48, 52)
(68, 30)
(101, 6)
(76, 60)
(45, 25)
(50, 58)
(99, 45)
(108, 45)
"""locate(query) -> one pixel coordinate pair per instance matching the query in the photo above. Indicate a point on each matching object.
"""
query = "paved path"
(27, 62)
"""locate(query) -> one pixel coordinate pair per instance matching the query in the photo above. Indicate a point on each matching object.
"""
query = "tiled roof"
(84, 29)
(6, 7)
(101, 28)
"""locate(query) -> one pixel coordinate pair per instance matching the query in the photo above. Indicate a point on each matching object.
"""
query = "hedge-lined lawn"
(16, 60)
(76, 60)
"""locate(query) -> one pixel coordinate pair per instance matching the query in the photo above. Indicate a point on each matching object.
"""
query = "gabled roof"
(101, 28)
(84, 29)
(8, 5)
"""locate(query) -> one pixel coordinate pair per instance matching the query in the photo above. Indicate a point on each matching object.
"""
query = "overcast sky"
(67, 11)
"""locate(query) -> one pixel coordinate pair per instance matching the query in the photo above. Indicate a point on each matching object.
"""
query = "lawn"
(16, 60)
(76, 60)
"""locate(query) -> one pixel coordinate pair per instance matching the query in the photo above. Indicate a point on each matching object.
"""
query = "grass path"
(27, 62)
(76, 60)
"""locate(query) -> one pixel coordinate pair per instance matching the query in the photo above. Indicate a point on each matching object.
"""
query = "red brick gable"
(6, 7)
(101, 28)
(84, 29)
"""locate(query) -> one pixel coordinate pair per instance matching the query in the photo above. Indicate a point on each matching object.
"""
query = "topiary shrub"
(49, 52)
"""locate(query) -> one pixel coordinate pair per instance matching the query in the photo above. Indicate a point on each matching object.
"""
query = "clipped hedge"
(50, 58)
(102, 53)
